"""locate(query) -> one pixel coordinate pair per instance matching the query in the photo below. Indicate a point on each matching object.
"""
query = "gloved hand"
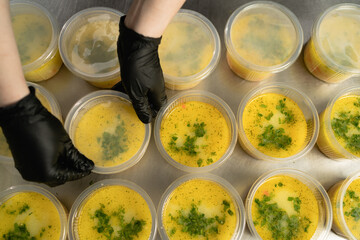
(41, 148)
(141, 74)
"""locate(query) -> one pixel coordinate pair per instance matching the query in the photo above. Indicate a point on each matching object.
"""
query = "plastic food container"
(104, 127)
(125, 199)
(36, 32)
(338, 135)
(205, 194)
(293, 195)
(88, 45)
(203, 112)
(333, 52)
(344, 197)
(262, 38)
(49, 101)
(189, 50)
(277, 106)
(34, 208)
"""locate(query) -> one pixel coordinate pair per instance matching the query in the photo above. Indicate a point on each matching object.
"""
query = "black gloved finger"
(142, 108)
(76, 160)
(66, 174)
(119, 87)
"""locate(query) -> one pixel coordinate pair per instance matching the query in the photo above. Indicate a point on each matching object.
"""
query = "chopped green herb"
(274, 138)
(213, 153)
(296, 202)
(230, 212)
(20, 232)
(114, 144)
(199, 129)
(353, 195)
(281, 107)
(260, 115)
(189, 146)
(24, 208)
(11, 212)
(268, 117)
(280, 184)
(263, 105)
(199, 162)
(209, 161)
(172, 232)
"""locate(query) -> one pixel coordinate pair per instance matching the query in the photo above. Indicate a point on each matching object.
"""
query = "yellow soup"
(31, 214)
(93, 47)
(113, 212)
(290, 204)
(186, 48)
(109, 133)
(351, 208)
(195, 134)
(275, 125)
(4, 147)
(203, 200)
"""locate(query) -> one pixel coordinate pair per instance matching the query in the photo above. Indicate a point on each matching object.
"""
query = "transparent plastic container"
(84, 40)
(203, 97)
(333, 51)
(327, 141)
(323, 202)
(88, 193)
(92, 100)
(49, 102)
(60, 210)
(337, 195)
(208, 198)
(303, 102)
(46, 62)
(189, 40)
(262, 38)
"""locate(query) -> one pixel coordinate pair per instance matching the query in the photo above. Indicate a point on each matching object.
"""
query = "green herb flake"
(172, 232)
(274, 138)
(199, 162)
(199, 129)
(113, 144)
(209, 161)
(263, 106)
(282, 108)
(24, 208)
(19, 232)
(259, 114)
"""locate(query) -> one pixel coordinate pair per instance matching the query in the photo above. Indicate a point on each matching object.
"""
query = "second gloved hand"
(141, 73)
(41, 148)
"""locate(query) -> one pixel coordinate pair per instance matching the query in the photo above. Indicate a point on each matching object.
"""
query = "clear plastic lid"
(87, 44)
(264, 36)
(336, 37)
(189, 49)
(23, 7)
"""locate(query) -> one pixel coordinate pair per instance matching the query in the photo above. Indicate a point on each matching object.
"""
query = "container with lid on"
(36, 34)
(49, 101)
(88, 45)
(113, 209)
(195, 131)
(32, 211)
(288, 204)
(345, 201)
(333, 52)
(277, 123)
(201, 206)
(104, 127)
(189, 50)
(262, 38)
(339, 136)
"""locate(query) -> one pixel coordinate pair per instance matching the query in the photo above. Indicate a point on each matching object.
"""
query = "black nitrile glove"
(41, 148)
(141, 74)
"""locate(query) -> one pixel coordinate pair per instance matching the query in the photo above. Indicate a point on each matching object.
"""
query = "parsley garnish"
(127, 230)
(114, 144)
(274, 138)
(24, 208)
(268, 117)
(296, 202)
(281, 107)
(20, 232)
(199, 129)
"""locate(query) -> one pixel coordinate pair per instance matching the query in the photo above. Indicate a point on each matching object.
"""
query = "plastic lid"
(336, 36)
(264, 36)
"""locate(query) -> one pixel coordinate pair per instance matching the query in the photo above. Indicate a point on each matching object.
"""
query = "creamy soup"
(199, 209)
(285, 208)
(186, 48)
(275, 125)
(114, 212)
(195, 134)
(109, 133)
(29, 214)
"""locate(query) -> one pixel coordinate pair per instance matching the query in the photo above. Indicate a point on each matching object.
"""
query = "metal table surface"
(153, 173)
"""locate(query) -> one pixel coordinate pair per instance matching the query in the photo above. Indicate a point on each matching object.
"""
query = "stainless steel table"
(153, 173)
